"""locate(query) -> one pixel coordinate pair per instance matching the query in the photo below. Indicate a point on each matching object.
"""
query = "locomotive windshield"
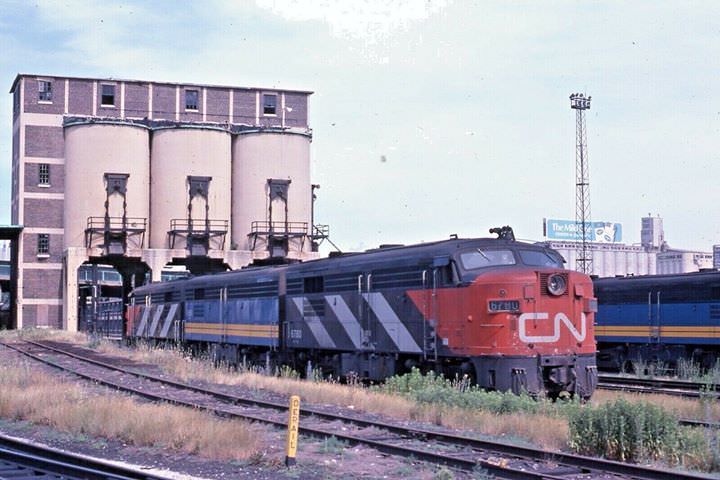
(482, 258)
(539, 258)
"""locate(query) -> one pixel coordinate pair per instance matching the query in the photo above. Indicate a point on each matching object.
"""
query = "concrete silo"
(107, 181)
(190, 202)
(271, 208)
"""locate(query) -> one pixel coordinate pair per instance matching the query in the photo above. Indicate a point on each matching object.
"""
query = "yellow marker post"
(292, 436)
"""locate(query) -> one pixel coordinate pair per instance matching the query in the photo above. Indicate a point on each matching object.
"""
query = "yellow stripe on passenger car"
(229, 329)
(240, 330)
(664, 331)
(248, 326)
(234, 334)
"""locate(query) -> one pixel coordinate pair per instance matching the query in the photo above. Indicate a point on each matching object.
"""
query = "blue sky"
(467, 102)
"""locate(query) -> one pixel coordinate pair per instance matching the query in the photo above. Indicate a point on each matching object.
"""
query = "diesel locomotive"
(658, 318)
(504, 312)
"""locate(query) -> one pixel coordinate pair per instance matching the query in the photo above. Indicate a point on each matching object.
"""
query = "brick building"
(139, 174)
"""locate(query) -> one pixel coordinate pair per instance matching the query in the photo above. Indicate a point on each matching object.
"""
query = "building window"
(191, 99)
(44, 91)
(269, 104)
(43, 244)
(44, 174)
(108, 96)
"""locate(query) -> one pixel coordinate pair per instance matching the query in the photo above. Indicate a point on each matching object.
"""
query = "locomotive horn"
(504, 233)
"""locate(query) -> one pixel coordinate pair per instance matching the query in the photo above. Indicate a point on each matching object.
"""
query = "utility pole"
(584, 262)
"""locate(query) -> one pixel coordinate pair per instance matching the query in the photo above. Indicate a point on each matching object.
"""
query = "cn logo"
(560, 318)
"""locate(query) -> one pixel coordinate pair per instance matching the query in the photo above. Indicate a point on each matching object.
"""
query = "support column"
(156, 259)
(73, 258)
(236, 259)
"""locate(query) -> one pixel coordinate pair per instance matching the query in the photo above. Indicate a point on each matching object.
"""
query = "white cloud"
(371, 21)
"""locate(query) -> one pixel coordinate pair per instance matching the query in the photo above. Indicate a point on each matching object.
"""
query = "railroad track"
(465, 453)
(679, 388)
(20, 459)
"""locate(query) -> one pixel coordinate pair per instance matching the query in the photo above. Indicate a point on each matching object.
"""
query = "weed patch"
(459, 393)
(635, 432)
(332, 446)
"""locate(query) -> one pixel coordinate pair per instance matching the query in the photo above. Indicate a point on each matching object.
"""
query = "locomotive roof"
(396, 255)
(410, 253)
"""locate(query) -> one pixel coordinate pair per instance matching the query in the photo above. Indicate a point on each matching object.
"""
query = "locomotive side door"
(283, 330)
(363, 310)
(440, 268)
(654, 320)
(223, 312)
(427, 311)
(369, 325)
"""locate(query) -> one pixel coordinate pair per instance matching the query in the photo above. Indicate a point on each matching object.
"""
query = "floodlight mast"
(584, 262)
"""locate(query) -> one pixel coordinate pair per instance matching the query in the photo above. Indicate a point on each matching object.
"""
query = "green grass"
(638, 432)
(435, 389)
(333, 446)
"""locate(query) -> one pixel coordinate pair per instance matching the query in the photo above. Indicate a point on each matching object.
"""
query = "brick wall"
(29, 253)
(296, 113)
(14, 175)
(15, 192)
(42, 283)
(42, 316)
(16, 101)
(16, 145)
(80, 100)
(80, 97)
(244, 107)
(32, 96)
(218, 105)
(136, 100)
(271, 120)
(163, 102)
(32, 178)
(47, 142)
(43, 213)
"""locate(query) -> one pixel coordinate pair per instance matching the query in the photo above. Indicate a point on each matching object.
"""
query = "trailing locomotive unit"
(658, 318)
(504, 312)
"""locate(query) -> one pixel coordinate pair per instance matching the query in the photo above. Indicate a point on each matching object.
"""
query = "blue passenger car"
(658, 318)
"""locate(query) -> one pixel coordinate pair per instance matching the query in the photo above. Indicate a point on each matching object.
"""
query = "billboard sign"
(569, 231)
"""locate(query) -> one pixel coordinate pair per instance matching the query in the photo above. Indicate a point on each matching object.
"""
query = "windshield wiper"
(483, 255)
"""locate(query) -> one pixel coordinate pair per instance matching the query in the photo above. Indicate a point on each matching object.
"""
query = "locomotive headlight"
(557, 285)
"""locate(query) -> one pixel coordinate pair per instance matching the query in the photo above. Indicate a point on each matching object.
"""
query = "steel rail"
(658, 383)
(656, 390)
(31, 457)
(587, 464)
(698, 423)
